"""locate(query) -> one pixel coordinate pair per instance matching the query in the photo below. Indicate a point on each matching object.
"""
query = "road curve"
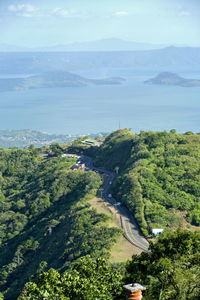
(131, 229)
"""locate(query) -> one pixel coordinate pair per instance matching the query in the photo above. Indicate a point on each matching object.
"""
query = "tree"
(88, 279)
(171, 270)
(56, 149)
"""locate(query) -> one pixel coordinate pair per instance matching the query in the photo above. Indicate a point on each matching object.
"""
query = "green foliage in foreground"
(89, 279)
(159, 174)
(171, 270)
(45, 220)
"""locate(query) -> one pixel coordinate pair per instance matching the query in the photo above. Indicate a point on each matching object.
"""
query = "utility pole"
(101, 192)
(117, 169)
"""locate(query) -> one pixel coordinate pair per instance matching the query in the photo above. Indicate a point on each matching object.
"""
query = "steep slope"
(158, 176)
(45, 220)
(171, 270)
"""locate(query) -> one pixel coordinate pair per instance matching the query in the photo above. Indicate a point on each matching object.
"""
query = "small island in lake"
(168, 78)
(53, 80)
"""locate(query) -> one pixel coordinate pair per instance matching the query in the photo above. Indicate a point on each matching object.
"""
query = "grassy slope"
(121, 250)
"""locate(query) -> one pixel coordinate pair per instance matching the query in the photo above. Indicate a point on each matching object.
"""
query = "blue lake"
(100, 108)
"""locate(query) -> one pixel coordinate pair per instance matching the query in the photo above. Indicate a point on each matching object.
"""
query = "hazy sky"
(48, 22)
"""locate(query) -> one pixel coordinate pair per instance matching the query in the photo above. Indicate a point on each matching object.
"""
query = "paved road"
(131, 229)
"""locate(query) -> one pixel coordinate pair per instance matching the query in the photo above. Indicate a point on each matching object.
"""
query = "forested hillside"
(45, 220)
(171, 270)
(52, 238)
(158, 176)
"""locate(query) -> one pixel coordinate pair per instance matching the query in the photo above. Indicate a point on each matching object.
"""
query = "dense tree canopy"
(89, 279)
(45, 220)
(51, 238)
(159, 175)
(171, 270)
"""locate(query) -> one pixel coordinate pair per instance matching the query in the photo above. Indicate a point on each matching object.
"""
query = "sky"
(36, 23)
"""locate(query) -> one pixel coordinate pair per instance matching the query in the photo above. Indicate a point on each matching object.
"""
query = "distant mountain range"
(52, 80)
(168, 78)
(111, 44)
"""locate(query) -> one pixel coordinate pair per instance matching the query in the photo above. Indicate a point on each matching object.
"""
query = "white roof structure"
(157, 231)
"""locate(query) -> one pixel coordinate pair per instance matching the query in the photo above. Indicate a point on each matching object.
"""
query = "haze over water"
(95, 109)
(27, 25)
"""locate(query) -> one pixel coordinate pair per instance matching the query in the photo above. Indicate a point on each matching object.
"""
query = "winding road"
(128, 223)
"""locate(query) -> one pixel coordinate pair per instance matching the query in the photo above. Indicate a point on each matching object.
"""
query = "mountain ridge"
(172, 58)
(109, 44)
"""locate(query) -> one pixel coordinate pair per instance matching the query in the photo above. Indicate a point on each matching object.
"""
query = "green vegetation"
(171, 270)
(45, 220)
(51, 238)
(158, 175)
(89, 279)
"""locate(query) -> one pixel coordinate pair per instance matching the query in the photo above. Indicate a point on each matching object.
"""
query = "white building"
(157, 231)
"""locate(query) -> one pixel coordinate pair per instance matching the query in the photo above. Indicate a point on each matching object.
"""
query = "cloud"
(23, 10)
(66, 13)
(184, 13)
(62, 12)
(121, 13)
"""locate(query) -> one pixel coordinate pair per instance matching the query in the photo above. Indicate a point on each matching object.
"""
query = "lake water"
(94, 109)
